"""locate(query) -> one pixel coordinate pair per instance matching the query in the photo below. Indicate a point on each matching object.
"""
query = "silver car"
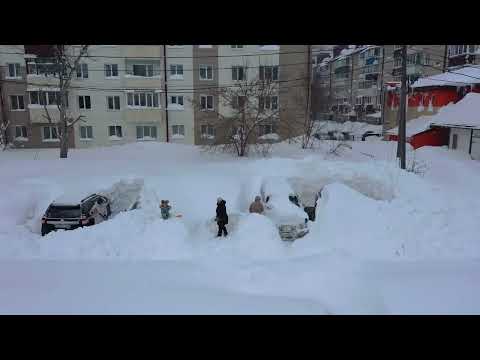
(291, 220)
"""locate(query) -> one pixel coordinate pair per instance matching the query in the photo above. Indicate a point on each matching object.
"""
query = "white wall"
(463, 141)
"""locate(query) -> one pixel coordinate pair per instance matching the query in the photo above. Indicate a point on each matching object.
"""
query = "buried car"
(290, 219)
(69, 215)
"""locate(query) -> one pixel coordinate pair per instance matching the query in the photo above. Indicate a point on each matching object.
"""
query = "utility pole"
(309, 82)
(382, 91)
(351, 82)
(445, 58)
(165, 87)
(403, 107)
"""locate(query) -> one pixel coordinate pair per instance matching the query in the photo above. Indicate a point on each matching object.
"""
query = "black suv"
(72, 216)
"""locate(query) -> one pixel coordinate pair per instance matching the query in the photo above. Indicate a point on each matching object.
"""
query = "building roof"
(463, 114)
(458, 77)
(414, 126)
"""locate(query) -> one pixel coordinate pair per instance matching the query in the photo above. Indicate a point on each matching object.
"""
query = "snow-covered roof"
(465, 113)
(459, 77)
(414, 126)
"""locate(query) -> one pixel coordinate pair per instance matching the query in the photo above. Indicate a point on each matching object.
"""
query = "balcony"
(37, 113)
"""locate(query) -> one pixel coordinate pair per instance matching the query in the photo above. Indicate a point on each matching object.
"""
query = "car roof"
(72, 200)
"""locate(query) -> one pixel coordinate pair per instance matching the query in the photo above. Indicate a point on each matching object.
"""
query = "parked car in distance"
(69, 215)
(370, 133)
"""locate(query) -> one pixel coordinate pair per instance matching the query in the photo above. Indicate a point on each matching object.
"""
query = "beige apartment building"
(130, 93)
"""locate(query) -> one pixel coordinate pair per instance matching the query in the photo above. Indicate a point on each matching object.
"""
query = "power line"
(195, 69)
(174, 90)
(170, 57)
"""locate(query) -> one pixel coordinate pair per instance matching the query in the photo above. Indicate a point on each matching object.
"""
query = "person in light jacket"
(257, 206)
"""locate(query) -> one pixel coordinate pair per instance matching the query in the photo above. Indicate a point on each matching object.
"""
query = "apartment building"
(350, 85)
(460, 55)
(128, 93)
(13, 90)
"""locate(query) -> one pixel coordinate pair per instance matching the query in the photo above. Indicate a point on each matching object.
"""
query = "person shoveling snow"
(257, 206)
(222, 217)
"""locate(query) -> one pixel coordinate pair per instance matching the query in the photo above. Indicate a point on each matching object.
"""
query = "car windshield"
(65, 211)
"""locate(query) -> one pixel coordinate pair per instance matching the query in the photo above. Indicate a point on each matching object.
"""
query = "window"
(111, 70)
(238, 73)
(237, 46)
(14, 70)
(143, 100)
(205, 46)
(42, 66)
(45, 98)
(206, 72)
(206, 102)
(358, 100)
(239, 102)
(454, 141)
(454, 50)
(268, 72)
(86, 132)
(146, 132)
(50, 133)
(265, 129)
(113, 102)
(207, 131)
(268, 102)
(143, 70)
(176, 71)
(21, 132)
(82, 71)
(176, 100)
(115, 131)
(178, 130)
(16, 102)
(367, 100)
(84, 102)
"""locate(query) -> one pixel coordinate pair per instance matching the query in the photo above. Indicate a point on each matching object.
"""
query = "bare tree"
(244, 109)
(67, 60)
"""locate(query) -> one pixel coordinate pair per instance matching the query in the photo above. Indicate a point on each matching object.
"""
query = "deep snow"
(385, 241)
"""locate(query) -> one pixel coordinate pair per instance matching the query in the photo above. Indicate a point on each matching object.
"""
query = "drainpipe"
(165, 87)
(471, 139)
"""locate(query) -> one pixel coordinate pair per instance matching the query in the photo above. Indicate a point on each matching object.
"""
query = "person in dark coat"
(222, 217)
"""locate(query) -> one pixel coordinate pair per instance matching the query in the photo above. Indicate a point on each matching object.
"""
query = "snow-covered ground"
(385, 241)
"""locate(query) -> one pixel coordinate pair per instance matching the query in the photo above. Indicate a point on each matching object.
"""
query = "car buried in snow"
(291, 220)
(69, 215)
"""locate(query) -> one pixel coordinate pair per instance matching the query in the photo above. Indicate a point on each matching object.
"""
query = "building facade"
(350, 86)
(129, 93)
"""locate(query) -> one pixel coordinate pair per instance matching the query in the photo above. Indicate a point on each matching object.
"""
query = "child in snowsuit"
(222, 217)
(165, 209)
